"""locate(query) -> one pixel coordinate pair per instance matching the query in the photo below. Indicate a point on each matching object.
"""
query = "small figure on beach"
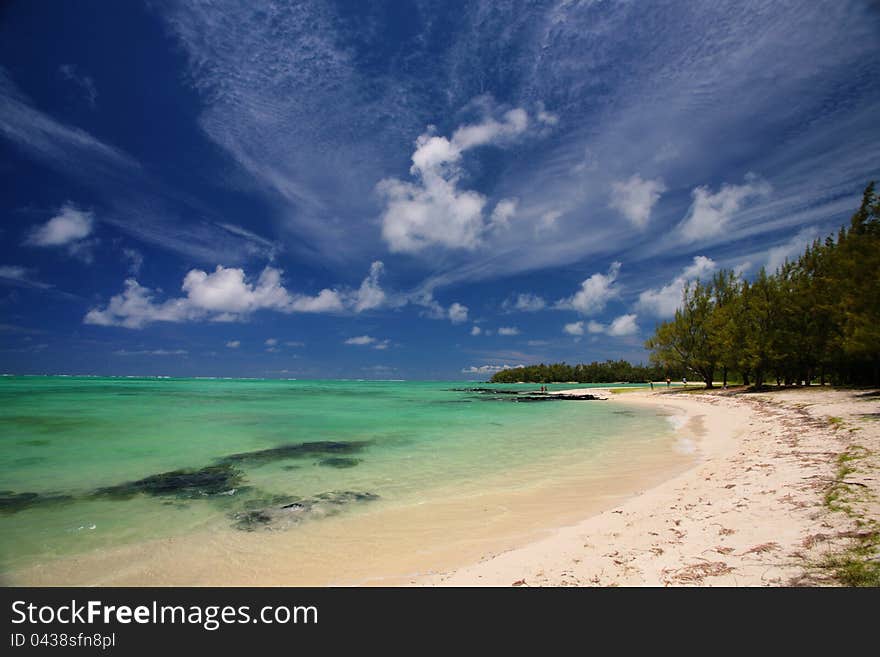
(668, 381)
(684, 381)
(652, 384)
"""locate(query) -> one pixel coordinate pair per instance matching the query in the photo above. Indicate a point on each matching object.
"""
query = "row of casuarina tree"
(816, 319)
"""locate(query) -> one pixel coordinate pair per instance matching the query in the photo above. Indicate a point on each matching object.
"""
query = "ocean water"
(79, 456)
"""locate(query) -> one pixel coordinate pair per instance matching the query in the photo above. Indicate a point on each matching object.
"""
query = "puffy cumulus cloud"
(69, 228)
(69, 225)
(485, 369)
(575, 328)
(326, 301)
(458, 313)
(233, 344)
(619, 327)
(368, 341)
(361, 340)
(433, 210)
(635, 198)
(508, 330)
(664, 301)
(476, 330)
(526, 302)
(710, 213)
(226, 295)
(623, 325)
(594, 294)
(134, 308)
(225, 290)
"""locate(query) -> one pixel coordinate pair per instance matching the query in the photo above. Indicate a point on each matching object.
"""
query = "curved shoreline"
(747, 513)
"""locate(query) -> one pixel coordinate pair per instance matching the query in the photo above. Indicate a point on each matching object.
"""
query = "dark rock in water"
(286, 515)
(492, 391)
(212, 480)
(339, 462)
(296, 450)
(251, 520)
(290, 467)
(550, 398)
(11, 502)
(269, 501)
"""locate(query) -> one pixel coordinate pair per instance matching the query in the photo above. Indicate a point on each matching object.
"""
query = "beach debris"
(11, 502)
(763, 547)
(296, 450)
(286, 515)
(339, 462)
(210, 480)
(697, 572)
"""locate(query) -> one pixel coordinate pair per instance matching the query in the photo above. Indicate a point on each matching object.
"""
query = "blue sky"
(410, 189)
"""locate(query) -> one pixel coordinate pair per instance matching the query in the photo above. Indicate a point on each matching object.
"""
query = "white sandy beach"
(751, 512)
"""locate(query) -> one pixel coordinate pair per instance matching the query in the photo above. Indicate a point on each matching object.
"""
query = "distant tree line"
(611, 371)
(815, 319)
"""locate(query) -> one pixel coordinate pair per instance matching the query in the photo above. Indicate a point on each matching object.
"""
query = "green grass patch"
(859, 565)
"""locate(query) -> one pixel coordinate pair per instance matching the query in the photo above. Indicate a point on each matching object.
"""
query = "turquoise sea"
(90, 464)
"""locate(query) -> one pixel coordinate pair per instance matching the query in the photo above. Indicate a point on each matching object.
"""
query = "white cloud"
(295, 343)
(791, 250)
(433, 211)
(225, 295)
(233, 344)
(526, 302)
(664, 301)
(370, 295)
(575, 328)
(327, 301)
(476, 330)
(361, 340)
(635, 198)
(152, 352)
(620, 326)
(545, 117)
(458, 313)
(623, 325)
(508, 330)
(594, 294)
(69, 226)
(485, 369)
(85, 82)
(710, 213)
(271, 342)
(503, 212)
(135, 260)
(20, 276)
(134, 308)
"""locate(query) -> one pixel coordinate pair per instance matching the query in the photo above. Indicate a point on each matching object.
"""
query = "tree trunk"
(745, 377)
(725, 377)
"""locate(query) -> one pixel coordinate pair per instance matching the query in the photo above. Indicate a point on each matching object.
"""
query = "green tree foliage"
(595, 372)
(814, 318)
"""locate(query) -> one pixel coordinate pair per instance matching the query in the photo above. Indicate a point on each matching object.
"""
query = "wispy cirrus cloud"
(137, 203)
